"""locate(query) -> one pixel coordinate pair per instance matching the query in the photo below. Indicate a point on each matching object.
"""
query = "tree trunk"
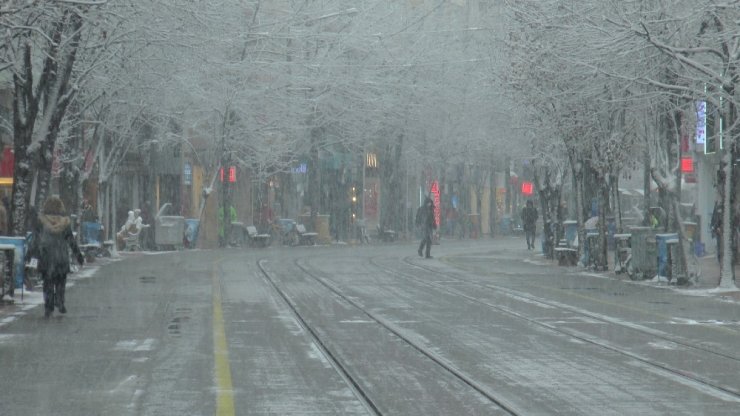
(727, 273)
(600, 252)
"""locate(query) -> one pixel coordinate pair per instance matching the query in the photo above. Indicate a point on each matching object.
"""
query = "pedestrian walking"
(222, 240)
(425, 220)
(529, 223)
(54, 239)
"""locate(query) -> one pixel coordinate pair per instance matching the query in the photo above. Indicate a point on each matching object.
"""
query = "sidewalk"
(706, 286)
(25, 301)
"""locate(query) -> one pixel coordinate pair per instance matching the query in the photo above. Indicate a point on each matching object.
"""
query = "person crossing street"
(425, 220)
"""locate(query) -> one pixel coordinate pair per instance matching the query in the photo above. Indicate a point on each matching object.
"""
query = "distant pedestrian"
(529, 223)
(3, 220)
(425, 220)
(51, 247)
(222, 240)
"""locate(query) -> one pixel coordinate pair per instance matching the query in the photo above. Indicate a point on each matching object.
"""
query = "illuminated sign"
(232, 174)
(687, 165)
(527, 188)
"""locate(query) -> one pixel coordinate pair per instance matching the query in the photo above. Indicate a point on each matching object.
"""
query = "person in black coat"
(425, 220)
(51, 245)
(529, 223)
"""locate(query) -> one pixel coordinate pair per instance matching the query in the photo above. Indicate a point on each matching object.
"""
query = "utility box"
(169, 230)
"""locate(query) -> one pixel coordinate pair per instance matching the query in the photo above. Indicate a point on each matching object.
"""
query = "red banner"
(8, 162)
(435, 196)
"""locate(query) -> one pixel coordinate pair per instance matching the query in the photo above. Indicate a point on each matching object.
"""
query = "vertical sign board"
(701, 124)
(708, 127)
(187, 174)
(435, 196)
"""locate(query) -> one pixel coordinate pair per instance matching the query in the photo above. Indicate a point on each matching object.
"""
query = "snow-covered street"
(485, 327)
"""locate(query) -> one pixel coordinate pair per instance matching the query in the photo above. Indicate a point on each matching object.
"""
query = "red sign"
(527, 188)
(232, 174)
(437, 210)
(687, 165)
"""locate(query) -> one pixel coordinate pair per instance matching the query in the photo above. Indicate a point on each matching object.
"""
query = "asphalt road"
(484, 328)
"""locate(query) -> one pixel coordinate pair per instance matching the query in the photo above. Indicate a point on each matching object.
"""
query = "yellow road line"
(224, 388)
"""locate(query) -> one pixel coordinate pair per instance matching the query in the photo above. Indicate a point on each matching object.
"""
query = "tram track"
(733, 393)
(344, 372)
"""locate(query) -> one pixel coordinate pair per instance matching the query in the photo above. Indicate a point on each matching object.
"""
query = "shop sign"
(187, 174)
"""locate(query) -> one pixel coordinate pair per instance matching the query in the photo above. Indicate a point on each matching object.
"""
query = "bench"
(566, 256)
(304, 236)
(132, 241)
(255, 238)
(386, 234)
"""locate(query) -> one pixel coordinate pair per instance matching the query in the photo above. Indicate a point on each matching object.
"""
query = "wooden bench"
(305, 237)
(566, 256)
(255, 238)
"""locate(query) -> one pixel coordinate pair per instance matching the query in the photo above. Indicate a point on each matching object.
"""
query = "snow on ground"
(25, 300)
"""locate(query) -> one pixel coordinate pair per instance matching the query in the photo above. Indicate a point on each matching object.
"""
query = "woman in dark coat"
(53, 239)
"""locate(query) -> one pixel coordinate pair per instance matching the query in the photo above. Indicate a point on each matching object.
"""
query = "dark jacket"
(425, 216)
(529, 217)
(53, 239)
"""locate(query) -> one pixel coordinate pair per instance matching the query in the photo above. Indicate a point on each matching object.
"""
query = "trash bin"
(589, 248)
(699, 249)
(678, 272)
(571, 231)
(191, 232)
(92, 233)
(169, 230)
(18, 245)
(663, 254)
(322, 228)
(644, 256)
(237, 234)
(505, 225)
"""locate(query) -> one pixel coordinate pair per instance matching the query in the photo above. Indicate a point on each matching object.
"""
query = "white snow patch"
(708, 292)
(684, 321)
(316, 354)
(530, 301)
(663, 345)
(123, 384)
(291, 323)
(537, 262)
(135, 345)
(599, 275)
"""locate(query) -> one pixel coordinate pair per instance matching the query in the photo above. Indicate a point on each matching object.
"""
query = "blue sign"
(187, 174)
(302, 168)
